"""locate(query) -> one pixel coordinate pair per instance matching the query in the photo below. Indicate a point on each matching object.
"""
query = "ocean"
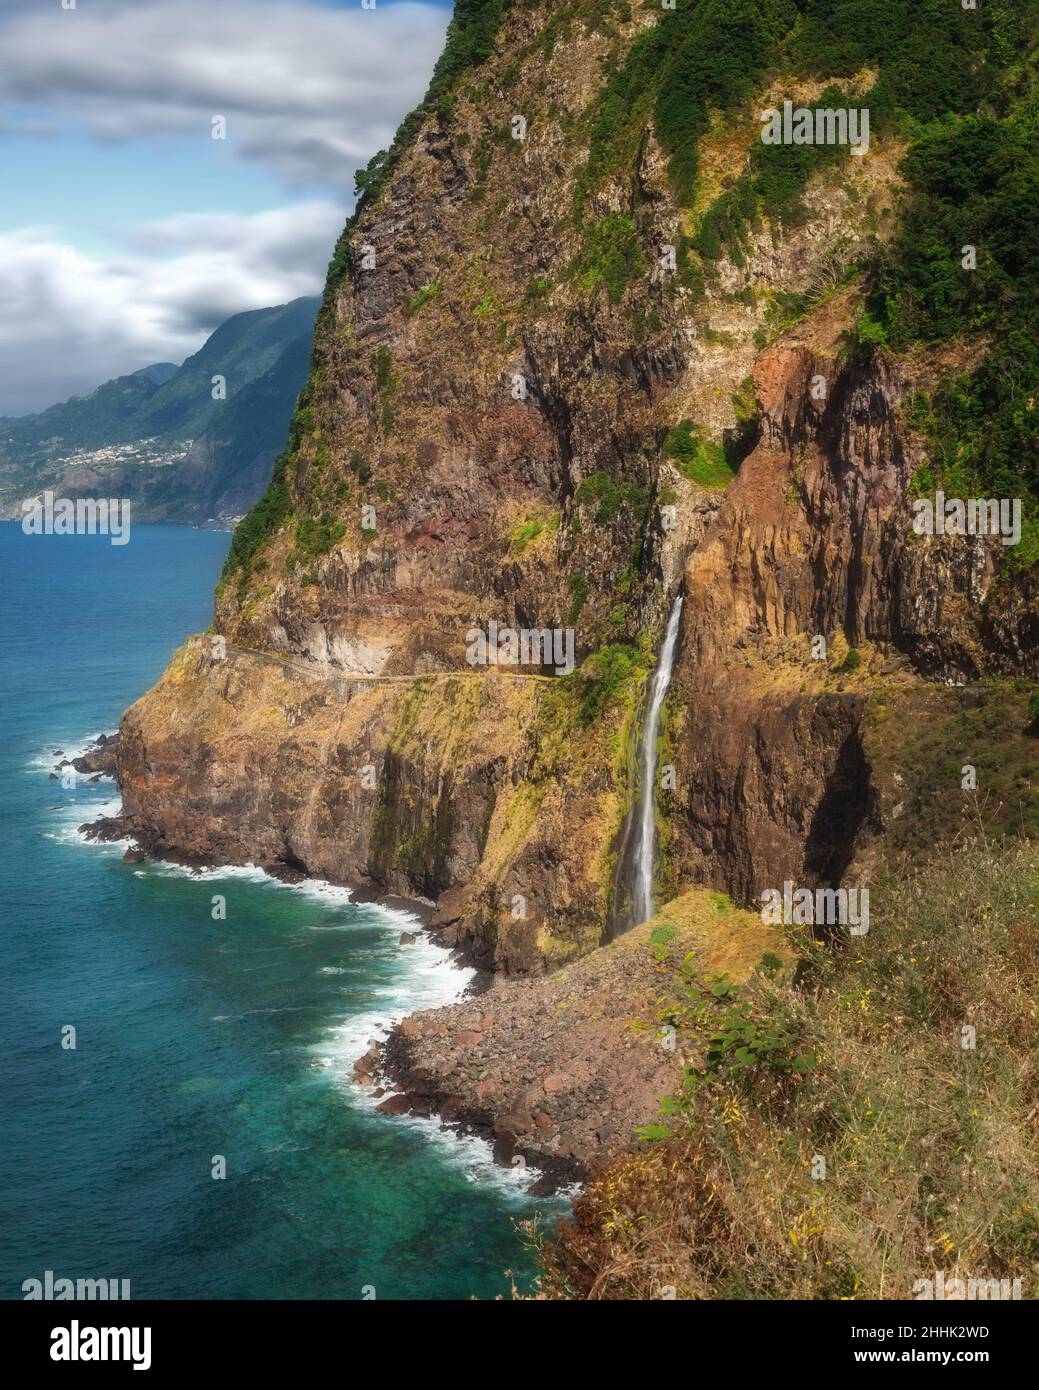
(199, 1040)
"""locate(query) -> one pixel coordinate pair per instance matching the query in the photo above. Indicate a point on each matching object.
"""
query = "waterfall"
(634, 880)
(646, 834)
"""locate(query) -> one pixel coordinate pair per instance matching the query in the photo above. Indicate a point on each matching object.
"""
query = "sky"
(127, 232)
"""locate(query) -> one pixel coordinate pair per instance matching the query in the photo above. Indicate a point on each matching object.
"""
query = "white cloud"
(309, 91)
(69, 322)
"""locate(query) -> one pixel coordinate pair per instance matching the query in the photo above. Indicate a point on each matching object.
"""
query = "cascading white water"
(645, 843)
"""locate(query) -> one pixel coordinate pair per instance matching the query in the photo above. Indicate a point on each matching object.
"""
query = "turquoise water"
(197, 1037)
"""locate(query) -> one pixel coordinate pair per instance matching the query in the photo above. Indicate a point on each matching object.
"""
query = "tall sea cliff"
(589, 343)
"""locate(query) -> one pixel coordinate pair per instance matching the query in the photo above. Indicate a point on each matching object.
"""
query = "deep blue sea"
(197, 1038)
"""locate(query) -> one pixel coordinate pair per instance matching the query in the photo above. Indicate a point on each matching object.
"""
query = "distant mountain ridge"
(158, 436)
(159, 372)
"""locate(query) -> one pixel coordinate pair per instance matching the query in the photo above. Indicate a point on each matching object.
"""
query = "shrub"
(603, 677)
(928, 1146)
(697, 458)
(315, 536)
(579, 591)
(610, 256)
(525, 532)
(870, 332)
(386, 384)
(611, 496)
(422, 298)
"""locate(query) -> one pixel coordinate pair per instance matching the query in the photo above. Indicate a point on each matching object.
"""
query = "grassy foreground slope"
(849, 1134)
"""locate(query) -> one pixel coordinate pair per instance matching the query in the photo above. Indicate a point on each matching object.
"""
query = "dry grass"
(930, 1147)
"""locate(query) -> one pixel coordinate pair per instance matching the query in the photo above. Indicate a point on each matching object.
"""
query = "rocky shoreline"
(100, 760)
(555, 1070)
(560, 1071)
(97, 761)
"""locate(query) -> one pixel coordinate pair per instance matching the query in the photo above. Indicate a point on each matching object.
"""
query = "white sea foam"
(80, 806)
(45, 757)
(428, 979)
(476, 1157)
(168, 868)
(77, 811)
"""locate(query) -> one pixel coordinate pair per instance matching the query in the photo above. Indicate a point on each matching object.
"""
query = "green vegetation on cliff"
(932, 61)
(616, 670)
(698, 458)
(956, 84)
(965, 264)
(703, 55)
(469, 41)
(772, 186)
(610, 256)
(273, 509)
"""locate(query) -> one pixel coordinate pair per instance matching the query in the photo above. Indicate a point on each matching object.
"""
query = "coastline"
(530, 1067)
(118, 829)
(416, 1091)
(393, 1086)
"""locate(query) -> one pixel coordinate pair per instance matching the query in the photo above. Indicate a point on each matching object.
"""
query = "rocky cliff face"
(481, 790)
(815, 540)
(413, 406)
(531, 386)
